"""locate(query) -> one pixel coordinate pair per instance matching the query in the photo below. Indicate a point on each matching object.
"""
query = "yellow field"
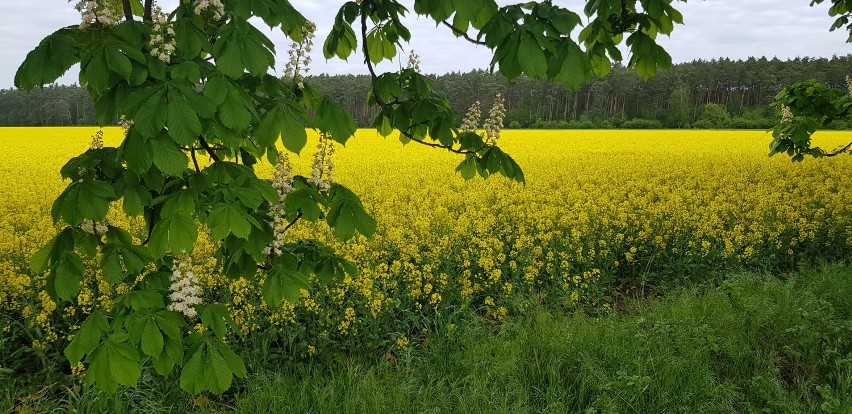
(596, 205)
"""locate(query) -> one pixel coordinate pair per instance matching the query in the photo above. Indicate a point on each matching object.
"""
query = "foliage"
(806, 107)
(642, 124)
(810, 105)
(194, 83)
(713, 116)
(679, 109)
(744, 343)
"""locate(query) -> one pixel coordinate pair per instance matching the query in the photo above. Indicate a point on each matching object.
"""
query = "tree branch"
(207, 148)
(128, 11)
(298, 216)
(369, 63)
(194, 160)
(381, 102)
(147, 15)
(463, 34)
(837, 152)
(435, 145)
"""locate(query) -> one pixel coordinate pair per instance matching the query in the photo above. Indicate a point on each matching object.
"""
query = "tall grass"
(754, 343)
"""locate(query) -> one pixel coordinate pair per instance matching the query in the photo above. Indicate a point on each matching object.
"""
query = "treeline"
(719, 93)
(55, 105)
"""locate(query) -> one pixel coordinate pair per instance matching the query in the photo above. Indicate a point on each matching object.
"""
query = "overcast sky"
(713, 28)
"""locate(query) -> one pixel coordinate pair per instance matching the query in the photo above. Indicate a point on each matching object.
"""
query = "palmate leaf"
(531, 57)
(176, 234)
(228, 219)
(119, 261)
(332, 118)
(83, 200)
(54, 55)
(283, 284)
(67, 276)
(346, 214)
(87, 338)
(167, 156)
(113, 363)
(211, 365)
(182, 122)
(152, 339)
(284, 121)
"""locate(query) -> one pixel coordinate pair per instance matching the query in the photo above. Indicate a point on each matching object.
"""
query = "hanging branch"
(381, 102)
(463, 34)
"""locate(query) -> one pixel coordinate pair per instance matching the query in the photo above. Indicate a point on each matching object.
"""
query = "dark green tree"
(679, 109)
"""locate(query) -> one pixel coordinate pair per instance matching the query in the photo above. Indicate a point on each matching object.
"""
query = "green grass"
(756, 343)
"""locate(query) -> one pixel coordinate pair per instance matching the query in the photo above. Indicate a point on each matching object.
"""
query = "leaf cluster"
(812, 106)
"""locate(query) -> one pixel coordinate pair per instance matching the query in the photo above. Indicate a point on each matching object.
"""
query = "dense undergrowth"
(747, 343)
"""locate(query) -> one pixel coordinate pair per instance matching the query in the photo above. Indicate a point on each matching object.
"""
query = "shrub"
(639, 123)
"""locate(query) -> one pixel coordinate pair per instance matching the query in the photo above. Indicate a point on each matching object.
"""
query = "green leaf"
(574, 66)
(136, 152)
(84, 200)
(141, 300)
(136, 198)
(283, 284)
(174, 234)
(87, 338)
(467, 168)
(68, 274)
(111, 265)
(152, 339)
(235, 112)
(184, 126)
(192, 374)
(282, 121)
(228, 219)
(167, 156)
(332, 118)
(39, 261)
(304, 200)
(346, 214)
(216, 317)
(235, 363)
(182, 201)
(113, 363)
(54, 55)
(531, 57)
(216, 89)
(123, 364)
(118, 63)
(219, 376)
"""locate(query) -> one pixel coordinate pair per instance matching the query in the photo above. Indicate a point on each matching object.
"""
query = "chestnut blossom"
(300, 55)
(471, 119)
(323, 165)
(186, 292)
(162, 40)
(413, 61)
(96, 12)
(786, 114)
(494, 122)
(215, 8)
(282, 181)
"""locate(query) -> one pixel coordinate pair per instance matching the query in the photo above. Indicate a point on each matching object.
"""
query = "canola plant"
(597, 208)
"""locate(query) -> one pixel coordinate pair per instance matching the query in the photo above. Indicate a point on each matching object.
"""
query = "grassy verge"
(754, 344)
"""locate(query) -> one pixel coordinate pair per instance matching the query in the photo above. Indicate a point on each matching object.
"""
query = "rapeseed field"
(598, 208)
